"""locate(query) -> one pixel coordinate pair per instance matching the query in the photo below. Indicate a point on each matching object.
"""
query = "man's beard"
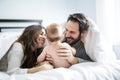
(73, 40)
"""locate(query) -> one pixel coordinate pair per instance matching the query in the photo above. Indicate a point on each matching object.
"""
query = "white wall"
(48, 10)
(108, 18)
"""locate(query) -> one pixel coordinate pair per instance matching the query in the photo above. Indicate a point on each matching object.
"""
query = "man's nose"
(67, 34)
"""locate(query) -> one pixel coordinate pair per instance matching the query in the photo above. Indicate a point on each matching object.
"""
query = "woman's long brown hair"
(28, 41)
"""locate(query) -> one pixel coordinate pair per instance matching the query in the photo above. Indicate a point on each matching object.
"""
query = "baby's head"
(54, 32)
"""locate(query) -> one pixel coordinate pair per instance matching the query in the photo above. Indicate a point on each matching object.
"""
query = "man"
(83, 34)
(77, 25)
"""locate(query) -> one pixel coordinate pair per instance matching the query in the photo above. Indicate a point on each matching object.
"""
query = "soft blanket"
(81, 71)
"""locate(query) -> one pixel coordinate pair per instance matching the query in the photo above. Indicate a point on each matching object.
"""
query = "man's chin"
(69, 42)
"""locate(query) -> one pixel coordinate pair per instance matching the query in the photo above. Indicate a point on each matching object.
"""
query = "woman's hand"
(49, 58)
(43, 66)
(46, 65)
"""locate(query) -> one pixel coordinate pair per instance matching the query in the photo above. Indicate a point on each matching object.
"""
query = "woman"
(23, 53)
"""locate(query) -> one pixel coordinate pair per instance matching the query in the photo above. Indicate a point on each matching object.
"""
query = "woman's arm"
(41, 57)
(44, 66)
(15, 57)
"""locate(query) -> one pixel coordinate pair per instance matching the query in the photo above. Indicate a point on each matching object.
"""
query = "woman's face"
(41, 39)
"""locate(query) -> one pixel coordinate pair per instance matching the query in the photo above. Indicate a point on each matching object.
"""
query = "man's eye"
(72, 32)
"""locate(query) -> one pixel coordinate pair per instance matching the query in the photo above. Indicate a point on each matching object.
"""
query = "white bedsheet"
(82, 71)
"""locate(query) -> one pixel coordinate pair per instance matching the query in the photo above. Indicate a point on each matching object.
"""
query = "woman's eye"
(41, 33)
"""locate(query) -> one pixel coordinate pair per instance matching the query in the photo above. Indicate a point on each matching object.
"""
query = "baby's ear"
(62, 37)
(73, 51)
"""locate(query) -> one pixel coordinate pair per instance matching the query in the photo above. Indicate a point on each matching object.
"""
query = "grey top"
(80, 51)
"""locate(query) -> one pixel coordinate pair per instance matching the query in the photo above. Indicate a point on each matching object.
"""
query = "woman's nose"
(44, 37)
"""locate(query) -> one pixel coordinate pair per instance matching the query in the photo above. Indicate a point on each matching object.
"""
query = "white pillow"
(96, 46)
(6, 39)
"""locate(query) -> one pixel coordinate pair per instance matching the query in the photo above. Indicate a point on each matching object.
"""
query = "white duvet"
(81, 71)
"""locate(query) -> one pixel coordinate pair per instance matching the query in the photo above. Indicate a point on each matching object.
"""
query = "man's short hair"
(81, 19)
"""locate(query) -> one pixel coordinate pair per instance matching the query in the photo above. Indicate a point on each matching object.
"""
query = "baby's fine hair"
(54, 32)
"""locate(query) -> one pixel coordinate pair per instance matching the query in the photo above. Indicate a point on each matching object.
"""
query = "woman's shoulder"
(17, 44)
(16, 50)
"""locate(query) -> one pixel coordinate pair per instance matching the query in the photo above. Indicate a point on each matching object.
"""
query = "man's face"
(72, 33)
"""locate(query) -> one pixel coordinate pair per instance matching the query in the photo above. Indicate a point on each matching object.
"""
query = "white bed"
(82, 71)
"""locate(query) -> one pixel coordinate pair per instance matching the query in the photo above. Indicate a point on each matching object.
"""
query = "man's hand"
(67, 54)
(64, 53)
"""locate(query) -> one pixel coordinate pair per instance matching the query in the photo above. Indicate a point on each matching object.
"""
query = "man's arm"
(67, 54)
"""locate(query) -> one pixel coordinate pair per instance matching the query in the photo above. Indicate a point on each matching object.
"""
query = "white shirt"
(15, 57)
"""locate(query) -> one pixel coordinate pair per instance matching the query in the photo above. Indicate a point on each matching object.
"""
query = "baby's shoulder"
(66, 44)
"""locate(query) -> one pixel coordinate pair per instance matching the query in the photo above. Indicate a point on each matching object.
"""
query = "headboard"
(17, 23)
(10, 30)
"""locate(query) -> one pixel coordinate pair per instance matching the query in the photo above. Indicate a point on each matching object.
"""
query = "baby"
(54, 35)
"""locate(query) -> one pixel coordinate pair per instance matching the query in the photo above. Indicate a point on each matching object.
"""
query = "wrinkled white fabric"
(82, 71)
(96, 47)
